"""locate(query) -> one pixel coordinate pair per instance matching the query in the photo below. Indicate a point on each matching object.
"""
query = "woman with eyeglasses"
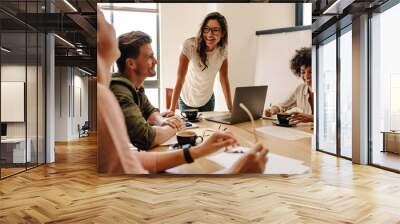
(202, 57)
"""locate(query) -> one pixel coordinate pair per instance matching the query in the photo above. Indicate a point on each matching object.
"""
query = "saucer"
(175, 146)
(283, 125)
(193, 121)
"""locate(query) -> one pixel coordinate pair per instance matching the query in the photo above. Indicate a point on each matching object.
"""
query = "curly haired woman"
(302, 98)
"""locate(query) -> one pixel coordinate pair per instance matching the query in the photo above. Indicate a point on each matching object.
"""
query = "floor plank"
(70, 191)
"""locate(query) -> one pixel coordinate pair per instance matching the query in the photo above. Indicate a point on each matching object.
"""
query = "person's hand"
(168, 113)
(301, 118)
(254, 161)
(268, 112)
(271, 111)
(230, 107)
(174, 122)
(217, 141)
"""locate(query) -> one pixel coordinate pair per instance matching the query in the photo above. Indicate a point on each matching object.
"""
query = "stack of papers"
(284, 133)
(276, 164)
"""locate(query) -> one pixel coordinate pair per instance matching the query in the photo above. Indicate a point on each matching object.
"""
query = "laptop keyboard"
(227, 118)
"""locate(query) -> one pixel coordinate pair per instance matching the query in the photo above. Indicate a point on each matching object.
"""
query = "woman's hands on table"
(253, 161)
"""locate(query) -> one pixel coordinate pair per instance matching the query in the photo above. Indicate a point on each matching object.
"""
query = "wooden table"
(295, 149)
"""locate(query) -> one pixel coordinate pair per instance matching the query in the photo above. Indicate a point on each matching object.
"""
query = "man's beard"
(139, 72)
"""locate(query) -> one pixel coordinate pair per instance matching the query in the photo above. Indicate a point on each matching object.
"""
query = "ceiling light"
(86, 72)
(5, 50)
(338, 6)
(64, 40)
(70, 5)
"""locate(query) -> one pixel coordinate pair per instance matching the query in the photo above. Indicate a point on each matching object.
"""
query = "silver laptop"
(253, 97)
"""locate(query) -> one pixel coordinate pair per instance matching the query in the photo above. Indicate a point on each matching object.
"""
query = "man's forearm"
(155, 119)
(162, 134)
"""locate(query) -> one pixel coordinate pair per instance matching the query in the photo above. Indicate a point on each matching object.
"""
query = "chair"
(84, 130)
(168, 97)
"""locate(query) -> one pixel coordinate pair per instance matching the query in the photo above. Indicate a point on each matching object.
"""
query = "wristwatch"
(186, 153)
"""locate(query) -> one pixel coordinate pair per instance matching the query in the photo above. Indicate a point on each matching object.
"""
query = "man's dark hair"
(129, 45)
(302, 57)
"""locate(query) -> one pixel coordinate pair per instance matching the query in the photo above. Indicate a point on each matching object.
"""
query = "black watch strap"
(186, 153)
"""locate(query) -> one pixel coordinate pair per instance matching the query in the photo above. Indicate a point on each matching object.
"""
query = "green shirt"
(136, 108)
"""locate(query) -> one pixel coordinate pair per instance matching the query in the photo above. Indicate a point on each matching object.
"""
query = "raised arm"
(223, 77)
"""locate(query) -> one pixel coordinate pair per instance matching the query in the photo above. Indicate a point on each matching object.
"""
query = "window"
(127, 17)
(307, 14)
(346, 93)
(327, 96)
(394, 101)
(385, 87)
(334, 91)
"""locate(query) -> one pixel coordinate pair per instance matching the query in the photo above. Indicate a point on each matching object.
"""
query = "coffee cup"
(190, 114)
(283, 118)
(188, 137)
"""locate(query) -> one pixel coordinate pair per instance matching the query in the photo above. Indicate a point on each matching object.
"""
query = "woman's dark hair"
(129, 45)
(302, 57)
(201, 44)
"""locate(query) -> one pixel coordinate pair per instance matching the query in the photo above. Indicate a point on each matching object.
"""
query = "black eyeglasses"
(214, 31)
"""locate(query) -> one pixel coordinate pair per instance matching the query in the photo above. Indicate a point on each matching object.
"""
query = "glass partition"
(14, 151)
(327, 96)
(22, 88)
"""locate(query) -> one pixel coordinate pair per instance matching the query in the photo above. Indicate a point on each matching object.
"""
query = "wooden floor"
(70, 191)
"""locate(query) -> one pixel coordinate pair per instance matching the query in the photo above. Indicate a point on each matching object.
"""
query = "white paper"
(284, 133)
(273, 117)
(276, 164)
(171, 141)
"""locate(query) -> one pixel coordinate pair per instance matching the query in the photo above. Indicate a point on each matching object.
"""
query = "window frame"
(332, 37)
(151, 84)
(379, 10)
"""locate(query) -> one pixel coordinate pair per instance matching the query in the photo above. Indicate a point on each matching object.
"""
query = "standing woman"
(202, 57)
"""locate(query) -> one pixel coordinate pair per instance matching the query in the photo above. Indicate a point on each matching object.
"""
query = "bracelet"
(186, 153)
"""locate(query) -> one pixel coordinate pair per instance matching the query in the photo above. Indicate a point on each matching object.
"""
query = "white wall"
(61, 103)
(181, 21)
(69, 83)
